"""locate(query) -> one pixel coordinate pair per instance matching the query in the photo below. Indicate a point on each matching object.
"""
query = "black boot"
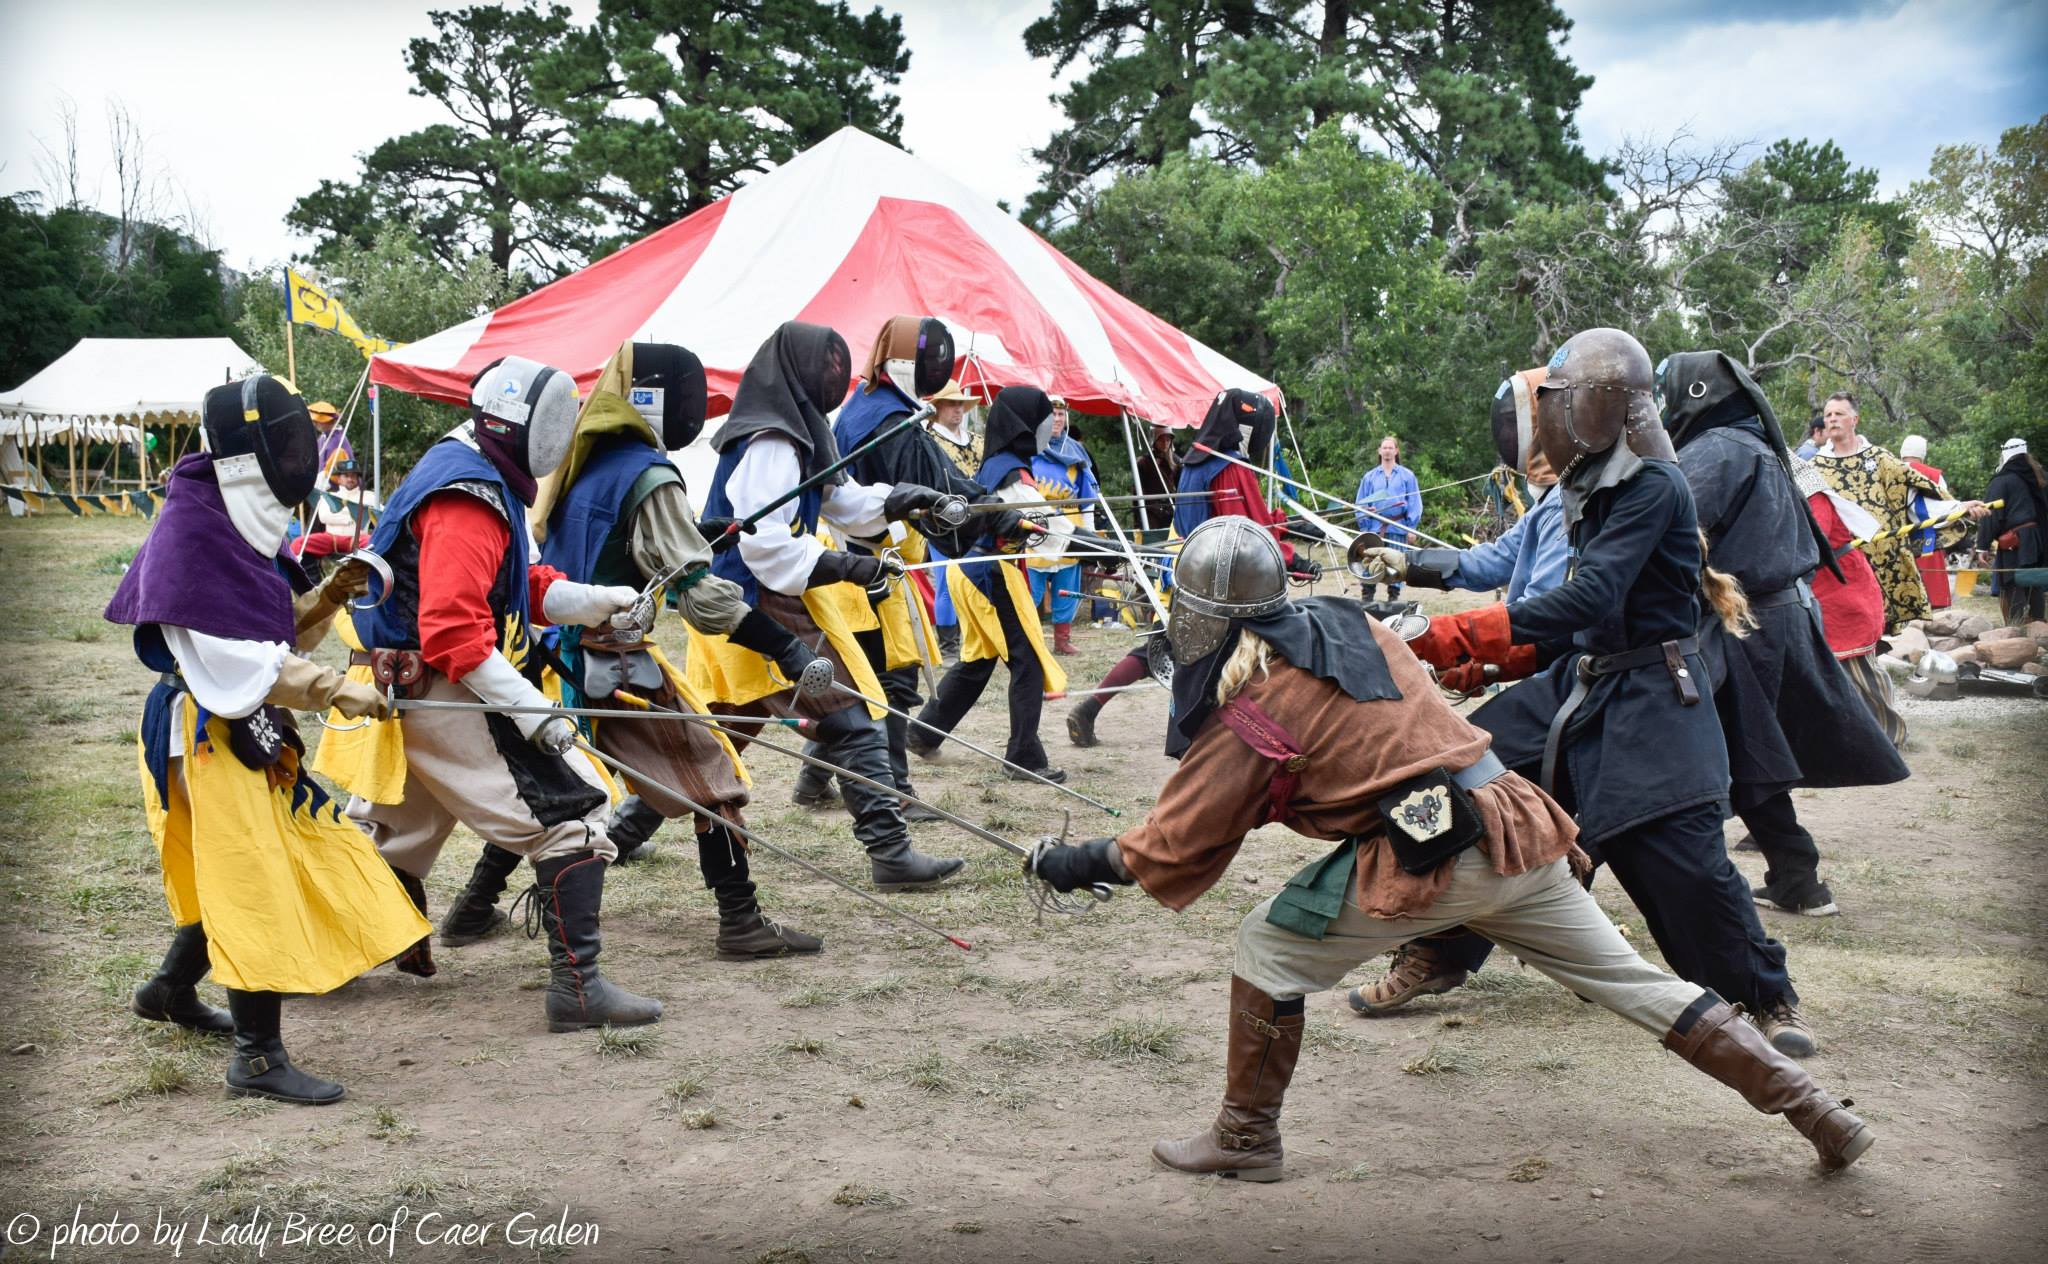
(260, 1067)
(475, 915)
(854, 742)
(567, 891)
(170, 997)
(914, 813)
(418, 959)
(743, 934)
(631, 828)
(1081, 721)
(949, 643)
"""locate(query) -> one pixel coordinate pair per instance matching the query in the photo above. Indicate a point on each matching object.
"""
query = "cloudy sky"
(249, 103)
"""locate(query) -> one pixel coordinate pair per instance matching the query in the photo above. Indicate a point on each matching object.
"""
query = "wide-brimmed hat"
(320, 408)
(953, 393)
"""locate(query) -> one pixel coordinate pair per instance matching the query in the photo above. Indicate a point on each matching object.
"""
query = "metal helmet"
(1601, 389)
(1934, 677)
(1229, 568)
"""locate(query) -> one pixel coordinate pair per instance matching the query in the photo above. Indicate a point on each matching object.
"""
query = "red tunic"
(1236, 491)
(1851, 607)
(1933, 566)
(462, 546)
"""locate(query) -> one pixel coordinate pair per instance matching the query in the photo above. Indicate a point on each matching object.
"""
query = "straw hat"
(953, 393)
(321, 408)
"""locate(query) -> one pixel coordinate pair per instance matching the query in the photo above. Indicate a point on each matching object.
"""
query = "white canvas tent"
(104, 390)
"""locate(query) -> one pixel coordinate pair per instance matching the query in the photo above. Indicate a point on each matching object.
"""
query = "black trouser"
(962, 684)
(899, 690)
(1698, 908)
(1792, 857)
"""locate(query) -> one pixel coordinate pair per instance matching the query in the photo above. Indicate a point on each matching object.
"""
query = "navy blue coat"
(1632, 752)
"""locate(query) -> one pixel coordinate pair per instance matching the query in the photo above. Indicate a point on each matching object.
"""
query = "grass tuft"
(1133, 1040)
(681, 1089)
(1356, 1172)
(809, 996)
(625, 1042)
(931, 1073)
(879, 988)
(858, 1195)
(1439, 1060)
(698, 1120)
(1533, 1168)
(385, 1125)
(240, 1166)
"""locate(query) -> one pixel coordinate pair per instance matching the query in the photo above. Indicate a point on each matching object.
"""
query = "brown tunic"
(1357, 752)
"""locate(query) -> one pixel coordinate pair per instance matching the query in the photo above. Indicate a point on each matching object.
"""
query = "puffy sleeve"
(229, 677)
(1213, 799)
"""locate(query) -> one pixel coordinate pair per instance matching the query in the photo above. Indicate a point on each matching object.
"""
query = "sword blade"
(769, 847)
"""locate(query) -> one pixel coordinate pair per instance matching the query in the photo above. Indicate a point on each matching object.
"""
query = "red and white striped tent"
(848, 233)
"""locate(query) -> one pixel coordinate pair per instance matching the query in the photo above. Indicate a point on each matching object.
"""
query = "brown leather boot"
(1713, 1037)
(1418, 970)
(1244, 1142)
(418, 959)
(1063, 639)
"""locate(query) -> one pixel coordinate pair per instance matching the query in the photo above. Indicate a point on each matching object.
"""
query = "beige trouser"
(1544, 917)
(453, 772)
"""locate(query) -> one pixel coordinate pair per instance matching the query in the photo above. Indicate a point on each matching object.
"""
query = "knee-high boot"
(1244, 1142)
(568, 890)
(418, 959)
(743, 933)
(631, 828)
(1713, 1037)
(260, 1067)
(475, 915)
(170, 995)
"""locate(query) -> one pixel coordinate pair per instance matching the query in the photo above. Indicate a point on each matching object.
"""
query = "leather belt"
(1590, 667)
(1782, 597)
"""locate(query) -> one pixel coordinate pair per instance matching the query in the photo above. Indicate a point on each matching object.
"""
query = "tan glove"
(315, 609)
(1385, 565)
(303, 685)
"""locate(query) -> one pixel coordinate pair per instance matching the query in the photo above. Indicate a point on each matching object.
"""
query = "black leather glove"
(1008, 525)
(834, 567)
(714, 530)
(1069, 867)
(904, 498)
(1305, 567)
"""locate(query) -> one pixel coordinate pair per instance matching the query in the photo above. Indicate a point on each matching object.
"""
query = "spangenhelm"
(1514, 417)
(266, 455)
(1229, 568)
(525, 415)
(1600, 389)
(668, 390)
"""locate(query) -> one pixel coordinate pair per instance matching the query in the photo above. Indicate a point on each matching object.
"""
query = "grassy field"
(896, 1098)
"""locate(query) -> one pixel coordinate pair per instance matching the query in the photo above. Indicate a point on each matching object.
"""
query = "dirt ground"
(896, 1098)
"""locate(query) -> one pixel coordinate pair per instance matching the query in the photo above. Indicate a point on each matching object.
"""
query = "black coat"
(1632, 751)
(2024, 503)
(914, 457)
(1788, 711)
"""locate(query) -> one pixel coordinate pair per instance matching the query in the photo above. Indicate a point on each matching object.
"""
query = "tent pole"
(376, 442)
(71, 456)
(291, 357)
(1144, 509)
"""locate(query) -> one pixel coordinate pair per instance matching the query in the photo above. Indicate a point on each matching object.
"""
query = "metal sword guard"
(378, 566)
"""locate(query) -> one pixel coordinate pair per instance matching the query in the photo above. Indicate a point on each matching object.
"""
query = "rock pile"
(1974, 638)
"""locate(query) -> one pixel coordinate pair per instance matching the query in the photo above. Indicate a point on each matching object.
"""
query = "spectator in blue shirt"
(1528, 559)
(1389, 489)
(1814, 432)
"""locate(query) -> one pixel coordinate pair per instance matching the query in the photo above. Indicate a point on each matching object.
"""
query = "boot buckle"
(1229, 1140)
(259, 1065)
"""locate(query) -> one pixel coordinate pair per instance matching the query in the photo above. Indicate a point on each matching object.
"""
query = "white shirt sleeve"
(855, 509)
(781, 561)
(229, 677)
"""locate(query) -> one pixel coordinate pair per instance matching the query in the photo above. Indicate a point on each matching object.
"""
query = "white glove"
(586, 605)
(498, 682)
(1388, 566)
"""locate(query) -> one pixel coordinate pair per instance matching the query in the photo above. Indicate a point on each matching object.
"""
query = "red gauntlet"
(1472, 677)
(1453, 640)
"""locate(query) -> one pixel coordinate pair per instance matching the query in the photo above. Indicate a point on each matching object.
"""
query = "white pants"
(1544, 917)
(453, 772)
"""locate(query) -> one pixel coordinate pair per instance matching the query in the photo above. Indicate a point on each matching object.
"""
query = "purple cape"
(194, 571)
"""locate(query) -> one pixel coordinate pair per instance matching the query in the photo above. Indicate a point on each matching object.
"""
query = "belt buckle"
(1584, 668)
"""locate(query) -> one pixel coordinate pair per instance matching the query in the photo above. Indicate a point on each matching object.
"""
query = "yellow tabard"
(293, 896)
(981, 634)
(717, 669)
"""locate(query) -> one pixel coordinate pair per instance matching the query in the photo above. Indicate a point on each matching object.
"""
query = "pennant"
(308, 304)
(70, 504)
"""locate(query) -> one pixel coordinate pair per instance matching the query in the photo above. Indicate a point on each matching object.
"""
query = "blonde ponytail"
(1724, 593)
(1251, 655)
